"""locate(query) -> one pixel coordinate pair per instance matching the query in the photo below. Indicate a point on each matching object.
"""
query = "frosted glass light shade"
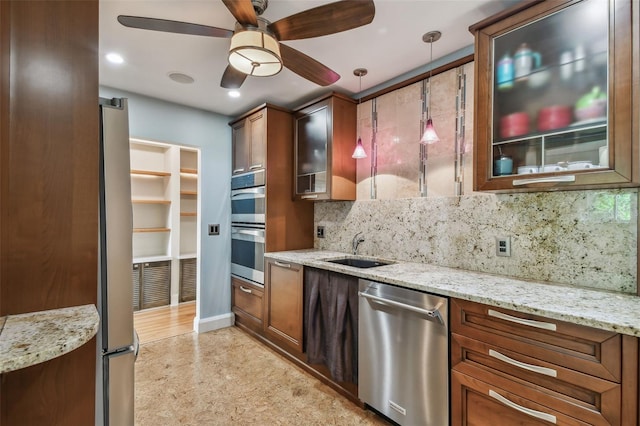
(255, 52)
(429, 136)
(359, 151)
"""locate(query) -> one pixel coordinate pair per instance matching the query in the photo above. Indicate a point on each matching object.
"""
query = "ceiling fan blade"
(167, 26)
(232, 78)
(243, 11)
(307, 67)
(324, 20)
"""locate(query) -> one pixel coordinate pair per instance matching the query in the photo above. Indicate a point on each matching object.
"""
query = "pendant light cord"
(430, 74)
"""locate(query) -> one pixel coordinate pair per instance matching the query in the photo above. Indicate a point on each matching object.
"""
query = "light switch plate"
(503, 246)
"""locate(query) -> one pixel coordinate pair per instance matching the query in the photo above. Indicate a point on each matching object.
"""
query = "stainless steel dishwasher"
(403, 354)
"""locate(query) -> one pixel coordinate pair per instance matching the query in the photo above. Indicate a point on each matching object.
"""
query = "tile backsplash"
(582, 238)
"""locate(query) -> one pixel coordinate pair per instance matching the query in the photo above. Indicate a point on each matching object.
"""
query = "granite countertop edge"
(31, 338)
(606, 310)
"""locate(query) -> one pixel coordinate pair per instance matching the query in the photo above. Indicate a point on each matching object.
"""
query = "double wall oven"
(248, 205)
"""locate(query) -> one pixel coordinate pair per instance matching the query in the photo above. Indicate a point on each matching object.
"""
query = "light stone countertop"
(32, 338)
(611, 311)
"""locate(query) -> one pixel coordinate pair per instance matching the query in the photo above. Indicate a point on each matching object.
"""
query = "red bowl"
(515, 124)
(554, 117)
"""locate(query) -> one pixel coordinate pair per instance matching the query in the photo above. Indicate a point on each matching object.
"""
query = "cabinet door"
(552, 101)
(258, 136)
(240, 147)
(312, 139)
(156, 284)
(247, 304)
(283, 286)
(474, 402)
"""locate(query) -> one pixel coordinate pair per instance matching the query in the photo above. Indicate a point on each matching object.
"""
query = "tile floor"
(225, 377)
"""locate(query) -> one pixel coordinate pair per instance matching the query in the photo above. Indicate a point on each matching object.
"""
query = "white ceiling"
(388, 47)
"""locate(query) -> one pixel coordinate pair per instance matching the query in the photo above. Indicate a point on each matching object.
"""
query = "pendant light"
(359, 151)
(430, 136)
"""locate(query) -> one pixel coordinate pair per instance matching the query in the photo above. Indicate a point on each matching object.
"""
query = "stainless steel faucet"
(356, 242)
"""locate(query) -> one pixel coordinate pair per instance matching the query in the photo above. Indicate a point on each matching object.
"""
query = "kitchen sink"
(359, 263)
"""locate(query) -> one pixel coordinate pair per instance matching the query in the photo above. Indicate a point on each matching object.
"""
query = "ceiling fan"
(255, 42)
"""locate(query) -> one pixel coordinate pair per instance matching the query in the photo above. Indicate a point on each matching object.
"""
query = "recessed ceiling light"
(114, 58)
(179, 77)
(234, 94)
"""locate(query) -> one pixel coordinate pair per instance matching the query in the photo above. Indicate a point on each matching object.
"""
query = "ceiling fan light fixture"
(255, 52)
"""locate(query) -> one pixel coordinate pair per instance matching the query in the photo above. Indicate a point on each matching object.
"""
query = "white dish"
(524, 170)
(553, 168)
(579, 165)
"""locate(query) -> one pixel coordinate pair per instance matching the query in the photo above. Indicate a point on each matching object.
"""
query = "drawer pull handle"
(308, 197)
(255, 166)
(552, 179)
(283, 265)
(533, 413)
(530, 323)
(535, 368)
(240, 169)
(246, 290)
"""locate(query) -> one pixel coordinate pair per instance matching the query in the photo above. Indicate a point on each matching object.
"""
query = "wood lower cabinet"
(284, 301)
(516, 368)
(247, 303)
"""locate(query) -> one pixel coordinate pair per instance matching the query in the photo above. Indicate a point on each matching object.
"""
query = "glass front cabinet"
(557, 96)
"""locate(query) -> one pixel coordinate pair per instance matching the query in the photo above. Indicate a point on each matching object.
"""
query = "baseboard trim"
(203, 325)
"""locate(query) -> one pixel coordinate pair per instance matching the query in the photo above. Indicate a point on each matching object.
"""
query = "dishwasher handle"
(431, 313)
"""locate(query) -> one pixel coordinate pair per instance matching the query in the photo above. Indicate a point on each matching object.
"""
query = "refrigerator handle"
(136, 343)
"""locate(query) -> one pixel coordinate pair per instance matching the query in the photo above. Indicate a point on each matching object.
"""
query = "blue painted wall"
(162, 121)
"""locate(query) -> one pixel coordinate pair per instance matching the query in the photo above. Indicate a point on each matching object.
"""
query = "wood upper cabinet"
(556, 103)
(516, 368)
(325, 135)
(249, 142)
(284, 302)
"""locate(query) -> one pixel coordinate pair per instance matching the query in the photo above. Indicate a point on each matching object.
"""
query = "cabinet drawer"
(492, 399)
(587, 350)
(473, 358)
(247, 303)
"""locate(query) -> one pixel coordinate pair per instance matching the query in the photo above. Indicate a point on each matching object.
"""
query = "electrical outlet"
(320, 232)
(503, 246)
(214, 229)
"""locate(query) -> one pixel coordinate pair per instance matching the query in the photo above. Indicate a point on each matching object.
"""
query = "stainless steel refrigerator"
(117, 345)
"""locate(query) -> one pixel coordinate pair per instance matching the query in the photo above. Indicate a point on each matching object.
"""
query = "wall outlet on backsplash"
(503, 246)
(320, 231)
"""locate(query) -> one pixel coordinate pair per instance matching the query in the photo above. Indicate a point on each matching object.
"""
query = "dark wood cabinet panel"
(49, 133)
(578, 374)
(247, 303)
(325, 135)
(284, 300)
(249, 142)
(591, 351)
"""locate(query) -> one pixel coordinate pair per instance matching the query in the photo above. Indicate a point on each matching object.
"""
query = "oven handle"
(257, 192)
(253, 233)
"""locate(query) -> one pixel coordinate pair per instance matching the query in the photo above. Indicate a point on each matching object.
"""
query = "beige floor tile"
(226, 377)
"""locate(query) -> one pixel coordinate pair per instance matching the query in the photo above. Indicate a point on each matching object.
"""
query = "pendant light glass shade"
(359, 151)
(429, 136)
